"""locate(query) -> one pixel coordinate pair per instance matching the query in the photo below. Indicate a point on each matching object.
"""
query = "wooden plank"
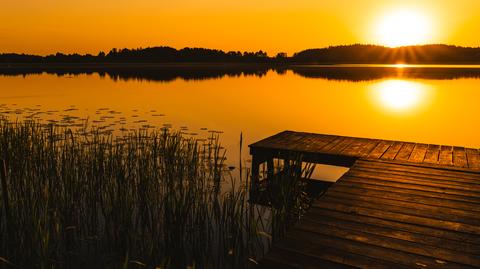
(319, 144)
(411, 208)
(446, 155)
(305, 144)
(380, 149)
(369, 210)
(405, 152)
(418, 153)
(327, 148)
(284, 258)
(473, 158)
(467, 194)
(315, 242)
(407, 197)
(436, 212)
(448, 178)
(459, 157)
(333, 254)
(392, 151)
(364, 147)
(286, 141)
(432, 154)
(297, 143)
(341, 145)
(460, 170)
(266, 141)
(372, 235)
(368, 146)
(436, 177)
(426, 235)
(275, 141)
(356, 147)
(424, 171)
(405, 189)
(418, 169)
(435, 182)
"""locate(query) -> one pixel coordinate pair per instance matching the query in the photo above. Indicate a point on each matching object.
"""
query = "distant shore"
(130, 65)
(344, 54)
(225, 65)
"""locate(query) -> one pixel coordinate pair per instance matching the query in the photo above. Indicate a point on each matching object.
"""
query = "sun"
(403, 28)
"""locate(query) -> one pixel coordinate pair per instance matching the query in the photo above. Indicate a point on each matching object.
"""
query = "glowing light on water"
(400, 95)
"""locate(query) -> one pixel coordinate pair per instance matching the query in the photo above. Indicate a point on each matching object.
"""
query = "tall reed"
(148, 199)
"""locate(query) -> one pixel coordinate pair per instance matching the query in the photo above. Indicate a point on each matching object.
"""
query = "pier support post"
(270, 167)
(255, 180)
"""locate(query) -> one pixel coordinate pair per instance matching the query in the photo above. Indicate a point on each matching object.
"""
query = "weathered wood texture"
(401, 205)
(318, 146)
(388, 215)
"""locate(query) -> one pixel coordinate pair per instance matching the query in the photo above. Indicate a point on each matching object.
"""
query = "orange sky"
(88, 26)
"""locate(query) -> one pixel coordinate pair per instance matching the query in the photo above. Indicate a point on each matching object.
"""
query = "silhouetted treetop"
(144, 55)
(424, 54)
(354, 54)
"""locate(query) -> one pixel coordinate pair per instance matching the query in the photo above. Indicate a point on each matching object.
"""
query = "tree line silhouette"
(146, 55)
(353, 54)
(373, 54)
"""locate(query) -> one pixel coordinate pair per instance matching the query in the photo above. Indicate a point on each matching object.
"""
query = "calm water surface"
(424, 107)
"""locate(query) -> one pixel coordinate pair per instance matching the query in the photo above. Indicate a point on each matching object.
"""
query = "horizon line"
(226, 51)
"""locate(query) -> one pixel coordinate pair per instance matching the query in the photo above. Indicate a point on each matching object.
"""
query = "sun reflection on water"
(401, 96)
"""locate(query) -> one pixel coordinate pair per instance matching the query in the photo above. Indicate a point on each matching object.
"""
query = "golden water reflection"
(433, 111)
(401, 96)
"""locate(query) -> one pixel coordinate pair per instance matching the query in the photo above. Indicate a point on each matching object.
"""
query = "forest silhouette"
(167, 64)
(353, 54)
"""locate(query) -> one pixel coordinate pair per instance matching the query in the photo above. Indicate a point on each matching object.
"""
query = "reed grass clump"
(148, 199)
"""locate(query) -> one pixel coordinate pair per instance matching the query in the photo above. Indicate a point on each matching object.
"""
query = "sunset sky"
(88, 26)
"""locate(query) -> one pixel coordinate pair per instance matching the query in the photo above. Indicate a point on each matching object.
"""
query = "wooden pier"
(401, 204)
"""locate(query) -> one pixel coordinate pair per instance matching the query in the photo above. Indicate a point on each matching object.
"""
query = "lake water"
(428, 104)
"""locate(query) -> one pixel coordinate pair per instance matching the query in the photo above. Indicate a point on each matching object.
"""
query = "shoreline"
(215, 65)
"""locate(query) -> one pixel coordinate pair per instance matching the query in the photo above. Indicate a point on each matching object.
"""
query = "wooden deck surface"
(401, 205)
(318, 146)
